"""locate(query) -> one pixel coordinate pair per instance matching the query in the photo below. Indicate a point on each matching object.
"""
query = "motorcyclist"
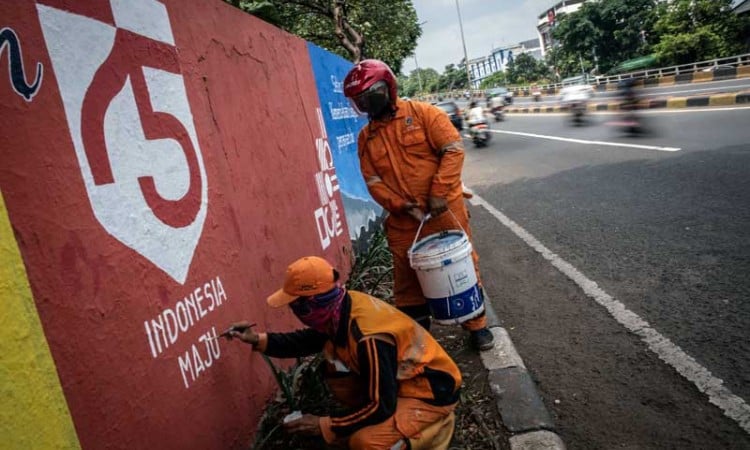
(497, 107)
(477, 124)
(476, 114)
(575, 99)
(629, 97)
(630, 105)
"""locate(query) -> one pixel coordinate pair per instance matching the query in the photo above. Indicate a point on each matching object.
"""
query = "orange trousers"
(424, 426)
(406, 289)
(412, 418)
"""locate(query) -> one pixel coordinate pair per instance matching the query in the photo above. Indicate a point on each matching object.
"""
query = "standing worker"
(411, 158)
(409, 385)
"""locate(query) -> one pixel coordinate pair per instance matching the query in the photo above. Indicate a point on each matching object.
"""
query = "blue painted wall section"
(342, 126)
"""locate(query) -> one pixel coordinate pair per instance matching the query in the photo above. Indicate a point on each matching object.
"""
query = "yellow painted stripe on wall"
(34, 413)
(721, 100)
(666, 81)
(678, 102)
(703, 76)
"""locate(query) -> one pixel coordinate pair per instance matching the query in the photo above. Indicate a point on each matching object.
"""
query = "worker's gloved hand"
(244, 332)
(308, 425)
(437, 205)
(413, 210)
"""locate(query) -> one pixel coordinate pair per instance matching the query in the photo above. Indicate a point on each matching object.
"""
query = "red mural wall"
(158, 180)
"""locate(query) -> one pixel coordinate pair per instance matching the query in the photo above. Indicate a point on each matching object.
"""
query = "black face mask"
(379, 106)
(375, 102)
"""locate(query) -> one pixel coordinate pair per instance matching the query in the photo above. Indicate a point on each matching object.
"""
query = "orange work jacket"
(416, 154)
(422, 364)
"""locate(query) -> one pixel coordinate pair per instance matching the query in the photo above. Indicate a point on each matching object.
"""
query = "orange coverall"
(416, 154)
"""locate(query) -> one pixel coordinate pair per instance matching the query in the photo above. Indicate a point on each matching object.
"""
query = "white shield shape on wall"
(132, 128)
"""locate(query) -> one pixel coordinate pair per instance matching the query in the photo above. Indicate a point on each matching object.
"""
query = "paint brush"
(237, 328)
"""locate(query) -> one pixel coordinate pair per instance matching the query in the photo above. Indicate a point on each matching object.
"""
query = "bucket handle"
(427, 217)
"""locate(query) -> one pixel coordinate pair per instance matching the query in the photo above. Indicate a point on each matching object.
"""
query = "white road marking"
(582, 141)
(733, 406)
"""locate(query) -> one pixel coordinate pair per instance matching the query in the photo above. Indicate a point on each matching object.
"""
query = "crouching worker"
(408, 384)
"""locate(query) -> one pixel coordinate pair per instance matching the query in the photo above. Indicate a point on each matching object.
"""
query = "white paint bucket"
(446, 274)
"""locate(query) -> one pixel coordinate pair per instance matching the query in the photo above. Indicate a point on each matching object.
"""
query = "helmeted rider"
(411, 157)
(476, 114)
(629, 103)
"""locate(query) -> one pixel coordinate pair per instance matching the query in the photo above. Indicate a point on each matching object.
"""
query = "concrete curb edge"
(520, 406)
(727, 99)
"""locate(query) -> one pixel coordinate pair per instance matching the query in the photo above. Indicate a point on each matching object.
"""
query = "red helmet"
(365, 78)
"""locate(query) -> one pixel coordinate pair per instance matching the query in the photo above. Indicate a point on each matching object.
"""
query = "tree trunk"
(349, 37)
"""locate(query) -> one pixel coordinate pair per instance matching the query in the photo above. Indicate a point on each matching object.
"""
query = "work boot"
(481, 339)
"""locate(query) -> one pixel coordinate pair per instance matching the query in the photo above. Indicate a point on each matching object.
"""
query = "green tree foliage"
(495, 79)
(524, 68)
(606, 32)
(454, 77)
(354, 29)
(698, 30)
(563, 64)
(410, 86)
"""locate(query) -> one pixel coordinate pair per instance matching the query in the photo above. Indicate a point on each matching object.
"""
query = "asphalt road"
(640, 306)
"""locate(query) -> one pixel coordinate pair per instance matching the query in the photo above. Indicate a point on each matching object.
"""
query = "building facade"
(498, 60)
(547, 21)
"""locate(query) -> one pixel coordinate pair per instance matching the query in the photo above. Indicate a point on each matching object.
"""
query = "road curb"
(520, 405)
(724, 99)
(723, 74)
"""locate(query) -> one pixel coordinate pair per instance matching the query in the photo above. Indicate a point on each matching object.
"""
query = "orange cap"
(307, 276)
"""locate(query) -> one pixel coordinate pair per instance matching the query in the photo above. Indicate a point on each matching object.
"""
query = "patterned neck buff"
(320, 312)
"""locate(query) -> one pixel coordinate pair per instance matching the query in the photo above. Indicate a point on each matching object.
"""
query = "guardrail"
(731, 61)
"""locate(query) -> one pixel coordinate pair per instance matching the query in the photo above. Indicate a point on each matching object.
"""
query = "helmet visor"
(373, 100)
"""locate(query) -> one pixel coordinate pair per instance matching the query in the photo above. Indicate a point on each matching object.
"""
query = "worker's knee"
(363, 440)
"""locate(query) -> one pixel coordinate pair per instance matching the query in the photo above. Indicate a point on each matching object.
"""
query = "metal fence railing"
(643, 74)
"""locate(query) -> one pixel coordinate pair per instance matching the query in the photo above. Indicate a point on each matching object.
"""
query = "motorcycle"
(575, 99)
(578, 113)
(536, 93)
(480, 133)
(497, 108)
(632, 124)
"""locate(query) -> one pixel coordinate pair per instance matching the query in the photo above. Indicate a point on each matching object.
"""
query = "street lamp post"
(463, 42)
(419, 76)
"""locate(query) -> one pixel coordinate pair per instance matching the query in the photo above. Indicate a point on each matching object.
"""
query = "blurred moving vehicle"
(497, 108)
(536, 92)
(454, 113)
(501, 92)
(480, 133)
(575, 99)
(479, 129)
(631, 122)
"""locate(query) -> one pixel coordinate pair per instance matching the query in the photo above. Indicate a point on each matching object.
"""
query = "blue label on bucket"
(457, 308)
